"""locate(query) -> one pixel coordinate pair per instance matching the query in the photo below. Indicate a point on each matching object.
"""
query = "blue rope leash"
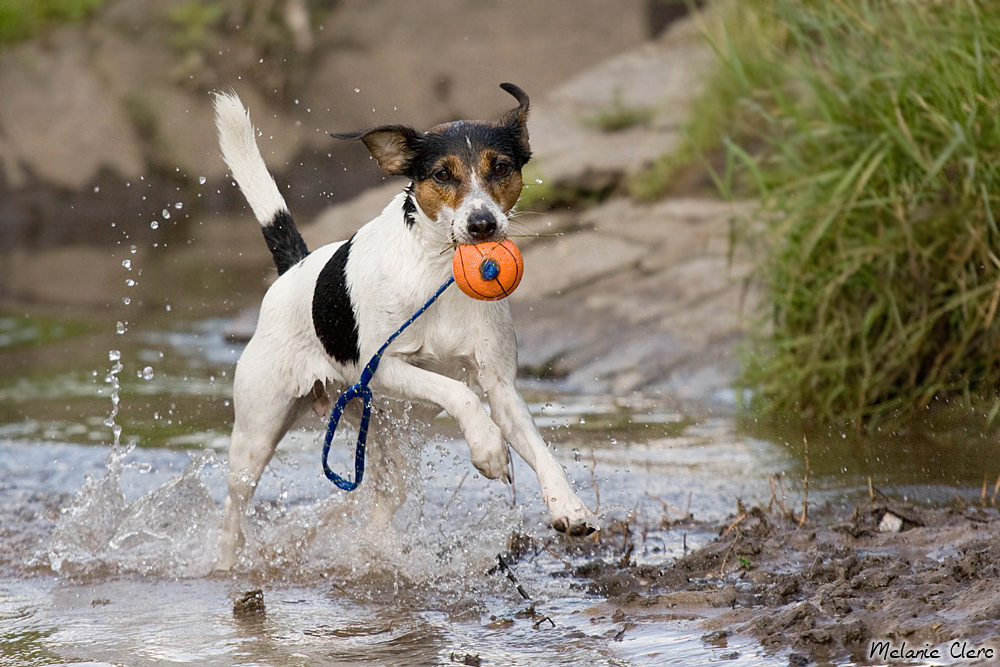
(361, 390)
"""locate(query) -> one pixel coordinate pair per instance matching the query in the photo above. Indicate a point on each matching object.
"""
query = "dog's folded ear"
(517, 119)
(392, 146)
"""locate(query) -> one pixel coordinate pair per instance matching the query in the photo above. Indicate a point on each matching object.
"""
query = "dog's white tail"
(239, 150)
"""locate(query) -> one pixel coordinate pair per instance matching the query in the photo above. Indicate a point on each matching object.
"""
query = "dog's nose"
(482, 225)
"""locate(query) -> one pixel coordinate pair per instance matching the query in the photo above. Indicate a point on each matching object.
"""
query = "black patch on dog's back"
(284, 241)
(332, 312)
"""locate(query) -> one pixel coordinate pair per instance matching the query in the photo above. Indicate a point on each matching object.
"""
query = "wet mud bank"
(880, 582)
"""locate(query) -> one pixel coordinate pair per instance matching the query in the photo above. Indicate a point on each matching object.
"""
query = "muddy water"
(107, 551)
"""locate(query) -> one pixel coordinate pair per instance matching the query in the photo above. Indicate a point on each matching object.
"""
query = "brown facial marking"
(504, 189)
(433, 195)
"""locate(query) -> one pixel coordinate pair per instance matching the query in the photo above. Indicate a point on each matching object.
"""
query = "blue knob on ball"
(489, 269)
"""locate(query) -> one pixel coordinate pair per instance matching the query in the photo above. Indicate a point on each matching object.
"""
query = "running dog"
(332, 308)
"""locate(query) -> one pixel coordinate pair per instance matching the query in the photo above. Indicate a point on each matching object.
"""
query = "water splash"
(440, 541)
(443, 543)
(172, 530)
(88, 524)
(112, 379)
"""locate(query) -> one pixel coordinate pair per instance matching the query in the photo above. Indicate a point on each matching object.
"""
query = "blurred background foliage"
(22, 19)
(868, 131)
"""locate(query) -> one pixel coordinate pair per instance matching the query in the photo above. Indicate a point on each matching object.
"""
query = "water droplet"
(539, 181)
(154, 224)
(126, 301)
(179, 205)
(165, 213)
(130, 282)
(357, 90)
(202, 180)
(147, 373)
(114, 355)
(97, 188)
(127, 263)
(133, 249)
(168, 307)
(120, 328)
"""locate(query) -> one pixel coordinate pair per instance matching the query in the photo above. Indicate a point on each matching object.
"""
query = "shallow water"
(106, 553)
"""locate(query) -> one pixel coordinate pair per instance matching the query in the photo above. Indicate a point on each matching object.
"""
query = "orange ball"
(488, 271)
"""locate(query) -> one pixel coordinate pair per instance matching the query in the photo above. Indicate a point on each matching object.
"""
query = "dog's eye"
(501, 170)
(441, 176)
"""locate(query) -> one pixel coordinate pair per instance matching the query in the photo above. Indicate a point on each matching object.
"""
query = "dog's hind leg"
(262, 419)
(394, 458)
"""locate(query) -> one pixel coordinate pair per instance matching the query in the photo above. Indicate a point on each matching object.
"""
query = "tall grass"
(21, 19)
(875, 138)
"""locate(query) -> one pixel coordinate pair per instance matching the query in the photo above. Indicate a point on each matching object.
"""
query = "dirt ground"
(874, 584)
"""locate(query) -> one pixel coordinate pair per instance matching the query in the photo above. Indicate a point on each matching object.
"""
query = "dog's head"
(466, 174)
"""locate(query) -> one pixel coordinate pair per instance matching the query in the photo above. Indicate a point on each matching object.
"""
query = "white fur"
(475, 200)
(391, 271)
(239, 149)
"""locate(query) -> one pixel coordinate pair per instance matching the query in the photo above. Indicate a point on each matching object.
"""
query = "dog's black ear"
(517, 119)
(392, 146)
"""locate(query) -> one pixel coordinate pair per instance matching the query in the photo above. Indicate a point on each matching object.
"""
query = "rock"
(250, 605)
(657, 79)
(890, 523)
(658, 303)
(573, 262)
(404, 62)
(57, 118)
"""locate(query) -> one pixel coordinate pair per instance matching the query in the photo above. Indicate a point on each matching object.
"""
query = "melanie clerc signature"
(959, 649)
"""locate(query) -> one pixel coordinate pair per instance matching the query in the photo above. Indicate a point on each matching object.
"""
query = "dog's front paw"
(572, 518)
(489, 452)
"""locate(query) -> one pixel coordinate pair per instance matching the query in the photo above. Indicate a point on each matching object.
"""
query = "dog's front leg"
(568, 513)
(401, 380)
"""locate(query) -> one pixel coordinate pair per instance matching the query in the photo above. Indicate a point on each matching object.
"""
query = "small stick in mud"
(539, 622)
(982, 495)
(871, 489)
(722, 570)
(741, 514)
(503, 567)
(996, 488)
(805, 481)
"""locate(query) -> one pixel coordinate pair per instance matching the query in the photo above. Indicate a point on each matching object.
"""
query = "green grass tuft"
(22, 19)
(870, 132)
(618, 116)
